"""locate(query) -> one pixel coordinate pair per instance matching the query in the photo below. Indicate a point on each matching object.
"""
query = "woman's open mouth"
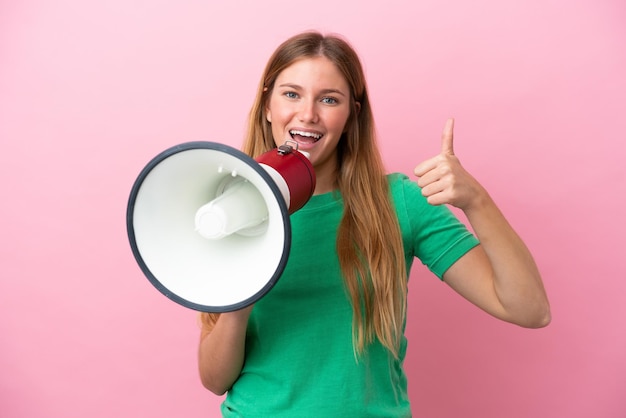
(304, 137)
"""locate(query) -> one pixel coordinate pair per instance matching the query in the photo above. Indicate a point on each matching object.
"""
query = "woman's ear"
(268, 115)
(357, 105)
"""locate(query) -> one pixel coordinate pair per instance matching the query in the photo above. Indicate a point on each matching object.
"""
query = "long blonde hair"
(369, 241)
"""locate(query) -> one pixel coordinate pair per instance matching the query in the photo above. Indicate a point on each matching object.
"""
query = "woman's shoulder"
(401, 186)
(408, 198)
(396, 177)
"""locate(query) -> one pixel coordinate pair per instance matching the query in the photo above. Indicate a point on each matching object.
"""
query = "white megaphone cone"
(209, 226)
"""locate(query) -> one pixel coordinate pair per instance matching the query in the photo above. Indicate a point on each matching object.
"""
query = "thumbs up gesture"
(444, 181)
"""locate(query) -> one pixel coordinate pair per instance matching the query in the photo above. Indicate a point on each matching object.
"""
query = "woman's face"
(310, 105)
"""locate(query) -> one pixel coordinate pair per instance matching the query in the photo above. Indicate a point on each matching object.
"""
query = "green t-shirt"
(299, 355)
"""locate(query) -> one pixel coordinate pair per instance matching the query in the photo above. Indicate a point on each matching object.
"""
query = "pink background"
(90, 91)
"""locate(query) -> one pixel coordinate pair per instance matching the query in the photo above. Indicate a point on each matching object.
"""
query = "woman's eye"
(329, 100)
(291, 95)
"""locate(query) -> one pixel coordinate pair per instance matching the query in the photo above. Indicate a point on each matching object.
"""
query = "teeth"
(307, 134)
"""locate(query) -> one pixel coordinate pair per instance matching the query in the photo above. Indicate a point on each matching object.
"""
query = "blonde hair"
(369, 242)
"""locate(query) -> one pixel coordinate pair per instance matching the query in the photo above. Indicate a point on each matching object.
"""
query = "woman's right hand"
(221, 350)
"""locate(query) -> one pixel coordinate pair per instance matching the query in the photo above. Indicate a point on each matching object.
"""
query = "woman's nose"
(308, 112)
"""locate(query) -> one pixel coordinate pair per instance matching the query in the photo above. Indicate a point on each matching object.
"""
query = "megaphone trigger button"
(286, 148)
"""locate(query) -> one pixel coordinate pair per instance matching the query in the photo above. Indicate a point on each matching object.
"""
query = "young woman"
(328, 339)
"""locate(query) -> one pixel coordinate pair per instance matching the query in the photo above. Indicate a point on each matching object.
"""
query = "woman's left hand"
(444, 181)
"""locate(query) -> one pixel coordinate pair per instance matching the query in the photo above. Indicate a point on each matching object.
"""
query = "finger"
(434, 193)
(425, 166)
(447, 137)
(428, 178)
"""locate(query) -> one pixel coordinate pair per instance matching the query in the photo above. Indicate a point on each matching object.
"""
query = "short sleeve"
(433, 234)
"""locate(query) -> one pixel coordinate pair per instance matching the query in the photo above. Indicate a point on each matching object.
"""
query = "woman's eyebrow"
(324, 91)
(331, 91)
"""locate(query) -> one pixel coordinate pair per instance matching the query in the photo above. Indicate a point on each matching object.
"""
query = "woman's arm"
(500, 275)
(221, 350)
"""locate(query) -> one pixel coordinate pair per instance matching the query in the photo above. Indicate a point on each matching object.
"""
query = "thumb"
(447, 138)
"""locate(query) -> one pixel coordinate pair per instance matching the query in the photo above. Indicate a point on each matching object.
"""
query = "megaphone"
(209, 225)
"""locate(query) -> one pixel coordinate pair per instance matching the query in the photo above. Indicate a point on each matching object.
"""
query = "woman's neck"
(325, 178)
